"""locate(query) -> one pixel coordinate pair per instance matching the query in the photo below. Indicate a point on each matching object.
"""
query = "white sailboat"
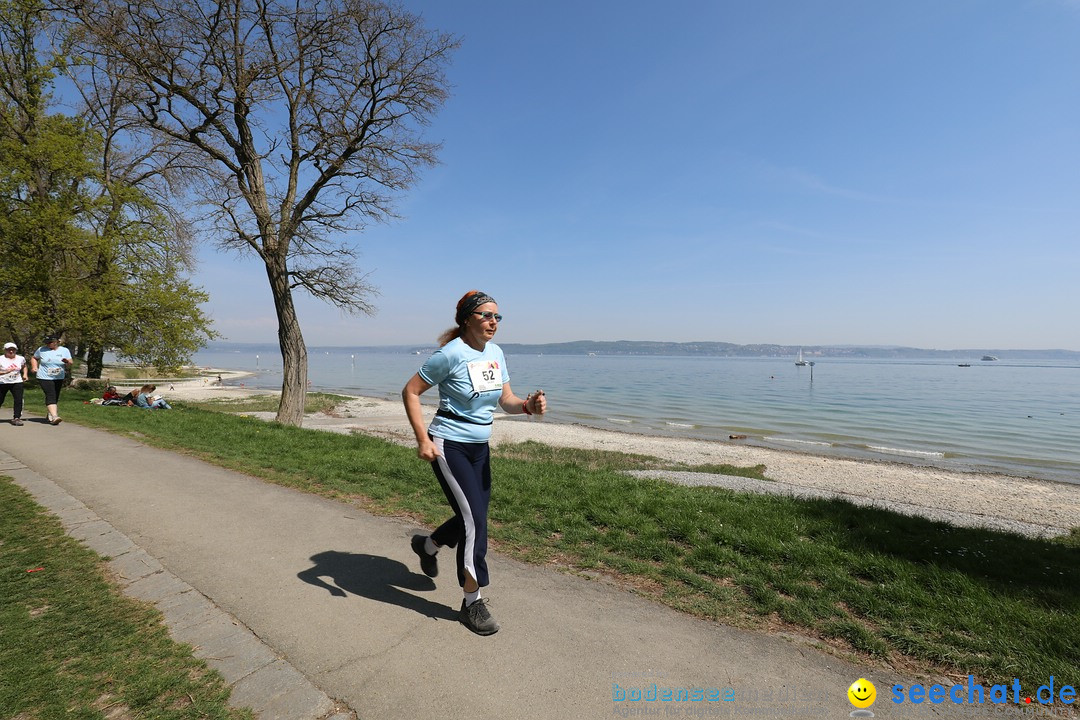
(800, 362)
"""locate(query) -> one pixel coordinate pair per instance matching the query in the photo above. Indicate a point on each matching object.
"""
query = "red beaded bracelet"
(525, 406)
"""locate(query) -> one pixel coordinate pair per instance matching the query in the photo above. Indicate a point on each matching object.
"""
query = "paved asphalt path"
(314, 609)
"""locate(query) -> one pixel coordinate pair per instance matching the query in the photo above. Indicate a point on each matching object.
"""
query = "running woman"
(471, 374)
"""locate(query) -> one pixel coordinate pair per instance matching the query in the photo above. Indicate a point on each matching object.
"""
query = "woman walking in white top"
(12, 376)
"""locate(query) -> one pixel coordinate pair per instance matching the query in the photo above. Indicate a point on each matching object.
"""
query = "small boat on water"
(800, 362)
(988, 358)
(964, 365)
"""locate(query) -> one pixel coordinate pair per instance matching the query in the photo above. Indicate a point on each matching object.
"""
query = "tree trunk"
(95, 360)
(291, 342)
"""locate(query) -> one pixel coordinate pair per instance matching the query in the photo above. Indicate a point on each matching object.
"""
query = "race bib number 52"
(485, 376)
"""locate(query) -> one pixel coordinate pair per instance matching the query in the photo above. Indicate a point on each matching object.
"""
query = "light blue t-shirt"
(470, 384)
(51, 362)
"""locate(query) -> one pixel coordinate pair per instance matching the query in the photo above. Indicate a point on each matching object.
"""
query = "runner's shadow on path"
(375, 578)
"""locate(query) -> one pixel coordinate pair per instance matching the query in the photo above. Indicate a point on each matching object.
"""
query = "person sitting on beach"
(145, 399)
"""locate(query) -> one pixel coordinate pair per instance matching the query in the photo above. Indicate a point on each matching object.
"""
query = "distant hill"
(722, 349)
(701, 349)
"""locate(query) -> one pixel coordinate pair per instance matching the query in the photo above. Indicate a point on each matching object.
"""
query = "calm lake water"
(1018, 418)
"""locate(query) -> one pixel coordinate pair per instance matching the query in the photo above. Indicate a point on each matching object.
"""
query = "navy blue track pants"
(464, 472)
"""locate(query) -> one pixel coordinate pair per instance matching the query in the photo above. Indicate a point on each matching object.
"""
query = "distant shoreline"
(684, 423)
(704, 349)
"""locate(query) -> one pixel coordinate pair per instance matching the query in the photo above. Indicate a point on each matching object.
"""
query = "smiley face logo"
(862, 693)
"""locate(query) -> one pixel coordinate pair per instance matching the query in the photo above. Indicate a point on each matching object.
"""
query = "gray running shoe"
(428, 563)
(17, 421)
(477, 618)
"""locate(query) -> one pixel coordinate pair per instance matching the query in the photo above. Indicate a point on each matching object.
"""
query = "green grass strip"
(886, 585)
(71, 646)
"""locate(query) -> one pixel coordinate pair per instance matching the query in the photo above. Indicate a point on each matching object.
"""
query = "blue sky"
(791, 172)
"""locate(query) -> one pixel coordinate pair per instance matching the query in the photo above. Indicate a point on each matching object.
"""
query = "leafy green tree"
(131, 296)
(87, 251)
(136, 297)
(43, 167)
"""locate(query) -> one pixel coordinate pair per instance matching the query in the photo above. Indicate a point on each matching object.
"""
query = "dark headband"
(471, 304)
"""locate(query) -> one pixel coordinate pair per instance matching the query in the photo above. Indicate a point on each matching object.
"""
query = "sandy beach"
(1031, 507)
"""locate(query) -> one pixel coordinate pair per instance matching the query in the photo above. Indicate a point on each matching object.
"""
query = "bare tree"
(308, 117)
